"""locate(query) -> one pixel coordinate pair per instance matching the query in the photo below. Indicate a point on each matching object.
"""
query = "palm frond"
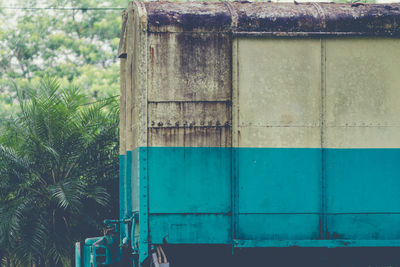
(68, 194)
(99, 194)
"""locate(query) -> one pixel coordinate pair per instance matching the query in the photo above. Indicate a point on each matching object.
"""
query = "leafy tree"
(76, 46)
(57, 157)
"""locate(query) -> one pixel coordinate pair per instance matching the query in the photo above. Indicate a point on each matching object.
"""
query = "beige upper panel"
(122, 109)
(134, 79)
(189, 67)
(362, 93)
(279, 94)
(129, 73)
(363, 82)
(189, 98)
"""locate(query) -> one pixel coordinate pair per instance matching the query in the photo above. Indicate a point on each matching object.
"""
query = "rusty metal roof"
(284, 19)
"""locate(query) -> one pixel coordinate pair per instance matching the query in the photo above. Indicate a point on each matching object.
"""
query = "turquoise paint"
(362, 180)
(369, 226)
(78, 259)
(182, 180)
(260, 197)
(279, 180)
(128, 185)
(143, 205)
(122, 196)
(86, 256)
(191, 228)
(278, 193)
(363, 200)
(136, 188)
(135, 179)
(316, 243)
(278, 226)
(188, 195)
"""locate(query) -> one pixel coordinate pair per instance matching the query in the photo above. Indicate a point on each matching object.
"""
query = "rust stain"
(152, 59)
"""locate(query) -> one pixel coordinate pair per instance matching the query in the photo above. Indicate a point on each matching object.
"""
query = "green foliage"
(57, 157)
(77, 46)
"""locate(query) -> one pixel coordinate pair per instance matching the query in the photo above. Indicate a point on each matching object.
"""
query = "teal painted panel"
(364, 226)
(128, 185)
(135, 179)
(78, 259)
(86, 256)
(122, 195)
(143, 205)
(316, 243)
(279, 193)
(189, 179)
(362, 180)
(279, 180)
(191, 228)
(278, 226)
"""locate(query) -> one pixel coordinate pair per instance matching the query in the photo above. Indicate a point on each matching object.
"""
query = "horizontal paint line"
(313, 126)
(279, 213)
(266, 148)
(190, 126)
(189, 213)
(189, 101)
(362, 126)
(172, 30)
(279, 126)
(318, 213)
(363, 213)
(316, 243)
(273, 213)
(240, 34)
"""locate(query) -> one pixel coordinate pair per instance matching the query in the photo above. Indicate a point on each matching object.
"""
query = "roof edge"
(266, 18)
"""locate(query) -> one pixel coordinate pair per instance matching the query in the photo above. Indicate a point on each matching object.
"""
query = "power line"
(63, 8)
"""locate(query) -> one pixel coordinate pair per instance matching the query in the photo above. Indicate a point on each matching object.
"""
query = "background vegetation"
(58, 170)
(76, 46)
(58, 143)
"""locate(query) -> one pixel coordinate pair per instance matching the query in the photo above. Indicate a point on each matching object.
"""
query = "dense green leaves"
(58, 154)
(79, 47)
(57, 157)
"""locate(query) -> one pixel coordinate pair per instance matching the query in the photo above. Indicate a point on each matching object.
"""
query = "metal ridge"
(276, 19)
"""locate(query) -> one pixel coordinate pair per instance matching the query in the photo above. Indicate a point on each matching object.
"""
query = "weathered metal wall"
(189, 90)
(362, 132)
(289, 138)
(279, 111)
(133, 126)
(189, 136)
(318, 128)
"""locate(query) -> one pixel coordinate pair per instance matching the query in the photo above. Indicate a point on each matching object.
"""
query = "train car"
(256, 125)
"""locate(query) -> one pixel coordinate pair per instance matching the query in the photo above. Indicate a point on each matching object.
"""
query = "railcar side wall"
(235, 135)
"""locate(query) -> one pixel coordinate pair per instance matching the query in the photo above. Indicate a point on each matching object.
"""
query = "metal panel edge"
(142, 67)
(316, 243)
(235, 136)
